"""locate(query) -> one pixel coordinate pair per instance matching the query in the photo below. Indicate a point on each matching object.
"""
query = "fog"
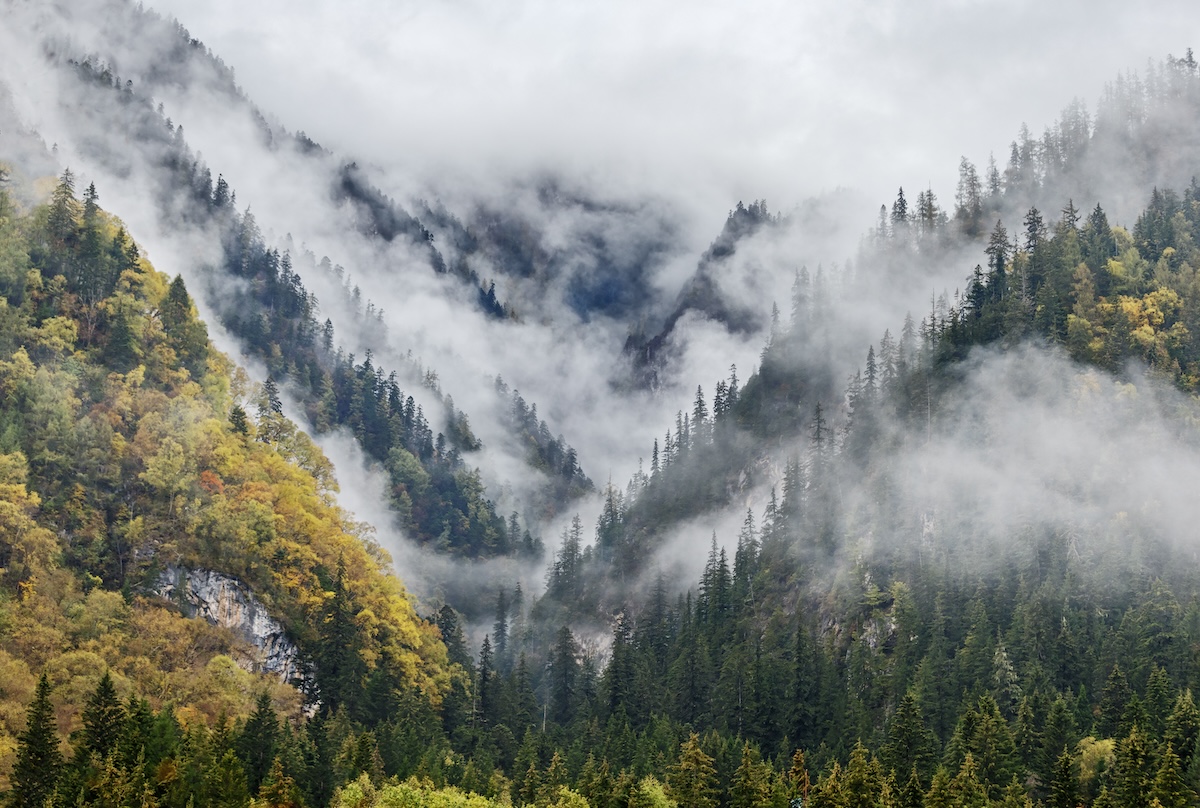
(775, 100)
(1033, 458)
(659, 124)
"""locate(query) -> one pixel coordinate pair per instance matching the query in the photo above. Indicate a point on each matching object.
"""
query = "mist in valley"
(612, 168)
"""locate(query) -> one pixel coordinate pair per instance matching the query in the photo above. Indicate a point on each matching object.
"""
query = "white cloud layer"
(703, 102)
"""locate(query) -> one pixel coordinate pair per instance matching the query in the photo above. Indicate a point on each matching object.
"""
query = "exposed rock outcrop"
(227, 602)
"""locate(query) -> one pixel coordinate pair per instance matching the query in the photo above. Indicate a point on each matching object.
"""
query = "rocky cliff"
(227, 602)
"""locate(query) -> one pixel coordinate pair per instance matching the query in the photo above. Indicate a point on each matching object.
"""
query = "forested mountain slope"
(126, 447)
(946, 563)
(388, 399)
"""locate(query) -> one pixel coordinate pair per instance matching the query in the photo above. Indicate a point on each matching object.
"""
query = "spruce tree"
(258, 742)
(912, 793)
(340, 668)
(278, 790)
(103, 721)
(910, 743)
(1169, 787)
(39, 762)
(1064, 788)
(564, 676)
(693, 780)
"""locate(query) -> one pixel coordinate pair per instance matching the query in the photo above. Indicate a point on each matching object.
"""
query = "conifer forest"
(323, 484)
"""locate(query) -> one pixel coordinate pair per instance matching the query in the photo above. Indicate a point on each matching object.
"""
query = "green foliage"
(127, 445)
(36, 770)
(121, 456)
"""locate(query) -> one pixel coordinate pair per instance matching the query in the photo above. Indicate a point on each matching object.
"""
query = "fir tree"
(36, 770)
(258, 742)
(1064, 788)
(103, 721)
(693, 779)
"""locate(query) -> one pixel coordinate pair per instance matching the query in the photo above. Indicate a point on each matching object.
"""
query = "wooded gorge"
(942, 560)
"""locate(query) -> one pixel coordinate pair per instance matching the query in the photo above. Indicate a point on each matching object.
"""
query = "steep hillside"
(937, 559)
(126, 450)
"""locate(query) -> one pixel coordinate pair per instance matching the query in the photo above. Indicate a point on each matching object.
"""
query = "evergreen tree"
(237, 420)
(564, 677)
(751, 786)
(940, 794)
(910, 743)
(486, 686)
(258, 742)
(278, 790)
(1131, 778)
(693, 780)
(912, 793)
(1183, 726)
(36, 770)
(500, 632)
(340, 668)
(966, 789)
(1064, 788)
(998, 254)
(62, 224)
(103, 721)
(861, 782)
(798, 778)
(188, 335)
(1117, 694)
(1169, 787)
(226, 782)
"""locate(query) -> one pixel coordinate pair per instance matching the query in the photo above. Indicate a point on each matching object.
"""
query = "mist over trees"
(942, 558)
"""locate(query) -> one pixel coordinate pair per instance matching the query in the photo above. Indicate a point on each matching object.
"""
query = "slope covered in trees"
(960, 577)
(436, 495)
(126, 447)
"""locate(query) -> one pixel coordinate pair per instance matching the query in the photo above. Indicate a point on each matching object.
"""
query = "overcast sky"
(703, 102)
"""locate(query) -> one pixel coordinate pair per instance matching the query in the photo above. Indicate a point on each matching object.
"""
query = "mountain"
(276, 315)
(127, 451)
(918, 531)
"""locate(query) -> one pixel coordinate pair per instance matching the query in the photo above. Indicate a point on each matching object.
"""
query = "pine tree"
(1058, 733)
(187, 333)
(500, 632)
(910, 743)
(1183, 726)
(940, 794)
(89, 272)
(317, 774)
(998, 254)
(1158, 700)
(226, 782)
(62, 224)
(968, 208)
(486, 685)
(1117, 694)
(36, 770)
(1131, 778)
(966, 788)
(862, 781)
(912, 793)
(899, 214)
(237, 420)
(798, 778)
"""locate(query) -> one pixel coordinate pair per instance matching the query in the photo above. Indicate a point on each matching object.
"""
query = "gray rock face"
(227, 602)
